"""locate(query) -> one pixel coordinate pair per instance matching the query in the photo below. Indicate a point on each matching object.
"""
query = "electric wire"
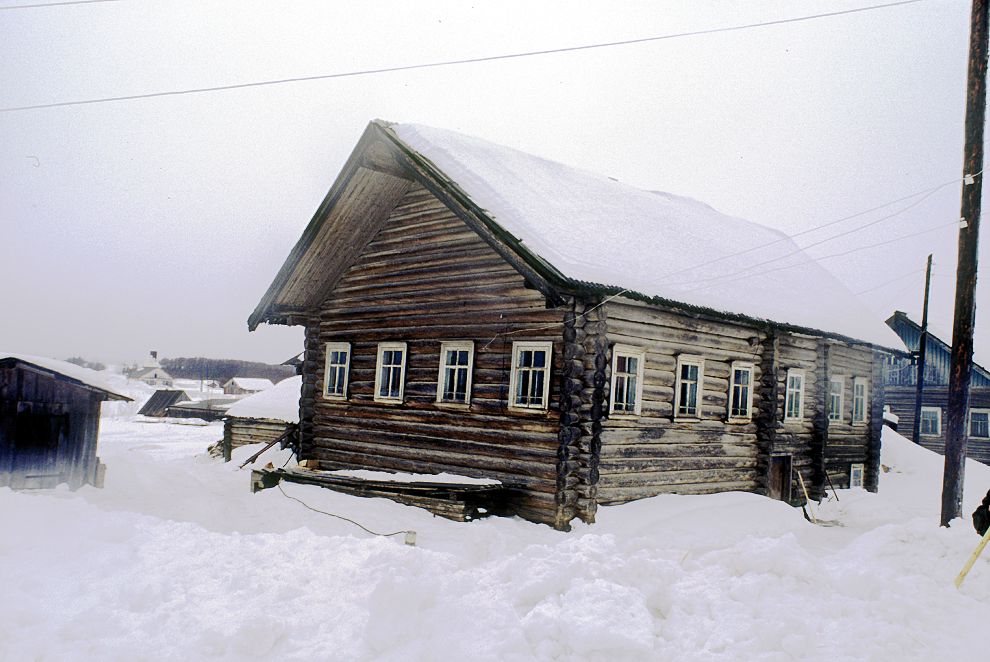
(55, 4)
(892, 280)
(461, 61)
(323, 512)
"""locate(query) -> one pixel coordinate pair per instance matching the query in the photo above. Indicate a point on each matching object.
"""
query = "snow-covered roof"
(279, 403)
(250, 383)
(593, 229)
(143, 372)
(85, 376)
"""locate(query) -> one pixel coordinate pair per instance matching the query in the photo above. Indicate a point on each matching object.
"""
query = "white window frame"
(458, 346)
(628, 352)
(938, 421)
(517, 347)
(682, 360)
(386, 347)
(835, 414)
(733, 367)
(853, 469)
(861, 381)
(977, 410)
(329, 348)
(795, 372)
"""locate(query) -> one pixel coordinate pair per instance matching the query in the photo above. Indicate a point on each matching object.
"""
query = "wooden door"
(779, 483)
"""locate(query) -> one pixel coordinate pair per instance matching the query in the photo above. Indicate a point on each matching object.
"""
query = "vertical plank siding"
(36, 404)
(427, 278)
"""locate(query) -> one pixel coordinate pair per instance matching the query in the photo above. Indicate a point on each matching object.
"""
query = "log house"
(445, 333)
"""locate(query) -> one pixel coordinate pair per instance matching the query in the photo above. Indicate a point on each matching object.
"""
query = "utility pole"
(961, 367)
(922, 352)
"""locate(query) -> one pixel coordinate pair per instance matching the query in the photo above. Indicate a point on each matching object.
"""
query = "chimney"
(154, 355)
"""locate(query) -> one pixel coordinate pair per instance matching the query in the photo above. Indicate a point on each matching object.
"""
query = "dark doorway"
(780, 477)
(37, 437)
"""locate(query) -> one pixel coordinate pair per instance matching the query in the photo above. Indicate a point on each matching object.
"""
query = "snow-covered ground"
(176, 559)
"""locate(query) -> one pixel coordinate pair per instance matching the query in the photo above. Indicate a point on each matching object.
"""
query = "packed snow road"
(176, 559)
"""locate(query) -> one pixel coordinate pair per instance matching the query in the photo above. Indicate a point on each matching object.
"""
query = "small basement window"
(856, 473)
(529, 381)
(627, 379)
(859, 401)
(794, 400)
(931, 421)
(689, 387)
(979, 423)
(337, 368)
(741, 391)
(454, 380)
(836, 388)
(390, 376)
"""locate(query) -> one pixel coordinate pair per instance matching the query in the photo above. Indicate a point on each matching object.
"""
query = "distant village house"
(901, 378)
(49, 422)
(152, 373)
(479, 311)
(246, 385)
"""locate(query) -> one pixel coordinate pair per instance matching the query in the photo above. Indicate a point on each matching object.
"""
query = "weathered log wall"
(239, 431)
(425, 278)
(656, 452)
(901, 401)
(48, 430)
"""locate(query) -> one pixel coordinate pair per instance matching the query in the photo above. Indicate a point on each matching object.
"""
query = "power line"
(56, 4)
(447, 63)
(892, 280)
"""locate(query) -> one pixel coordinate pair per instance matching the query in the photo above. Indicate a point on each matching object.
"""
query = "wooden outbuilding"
(479, 311)
(901, 379)
(246, 385)
(49, 422)
(159, 402)
(262, 417)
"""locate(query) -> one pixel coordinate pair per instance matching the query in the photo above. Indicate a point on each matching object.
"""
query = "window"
(856, 475)
(529, 381)
(794, 402)
(741, 391)
(391, 374)
(979, 423)
(859, 401)
(931, 421)
(454, 380)
(836, 386)
(627, 379)
(690, 386)
(337, 368)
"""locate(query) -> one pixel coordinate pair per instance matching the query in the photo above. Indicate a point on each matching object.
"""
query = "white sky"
(159, 223)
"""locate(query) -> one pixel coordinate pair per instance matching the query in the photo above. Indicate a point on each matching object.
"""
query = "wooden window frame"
(517, 347)
(969, 423)
(386, 347)
(797, 372)
(864, 382)
(695, 360)
(629, 352)
(862, 474)
(455, 345)
(834, 415)
(329, 348)
(733, 367)
(938, 420)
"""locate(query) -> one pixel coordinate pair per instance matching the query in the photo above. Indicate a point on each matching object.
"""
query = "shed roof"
(280, 403)
(161, 400)
(581, 230)
(250, 383)
(65, 370)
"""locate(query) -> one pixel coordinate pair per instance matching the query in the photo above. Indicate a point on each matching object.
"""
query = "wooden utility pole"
(969, 234)
(922, 352)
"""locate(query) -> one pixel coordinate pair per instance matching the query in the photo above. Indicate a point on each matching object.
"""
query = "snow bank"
(279, 403)
(176, 559)
(414, 478)
(654, 243)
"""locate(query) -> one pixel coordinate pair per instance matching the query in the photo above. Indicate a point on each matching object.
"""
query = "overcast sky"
(159, 223)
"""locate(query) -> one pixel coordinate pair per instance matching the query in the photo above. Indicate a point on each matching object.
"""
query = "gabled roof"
(568, 230)
(64, 370)
(161, 400)
(280, 403)
(250, 383)
(909, 332)
(142, 372)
